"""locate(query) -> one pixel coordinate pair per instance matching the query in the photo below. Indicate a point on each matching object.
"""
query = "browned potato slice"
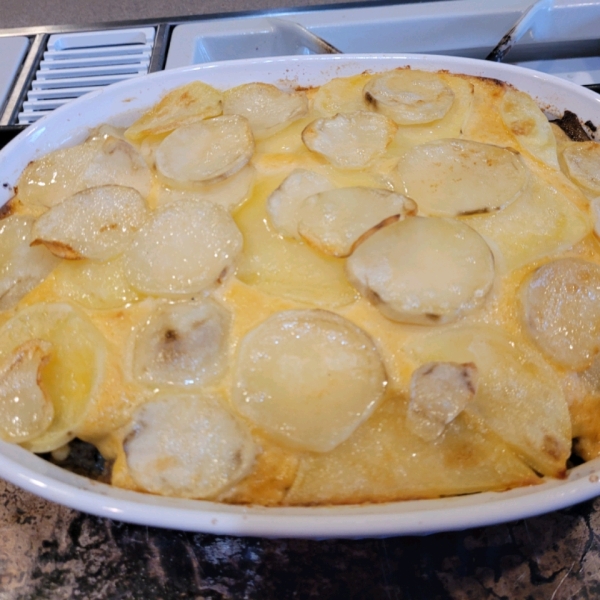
(188, 446)
(530, 126)
(96, 223)
(267, 108)
(350, 140)
(452, 177)
(519, 396)
(25, 410)
(439, 392)
(582, 160)
(185, 105)
(561, 309)
(182, 344)
(21, 267)
(308, 378)
(384, 461)
(103, 160)
(423, 270)
(336, 221)
(183, 248)
(409, 97)
(206, 151)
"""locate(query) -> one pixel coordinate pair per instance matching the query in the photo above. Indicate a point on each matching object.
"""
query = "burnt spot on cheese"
(434, 318)
(171, 335)
(59, 249)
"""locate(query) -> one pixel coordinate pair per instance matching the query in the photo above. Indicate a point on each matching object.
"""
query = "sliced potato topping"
(583, 165)
(182, 344)
(101, 160)
(459, 177)
(561, 309)
(25, 409)
(206, 151)
(409, 97)
(283, 205)
(308, 378)
(423, 270)
(189, 446)
(185, 105)
(530, 126)
(21, 267)
(439, 392)
(350, 140)
(266, 107)
(183, 248)
(336, 221)
(96, 223)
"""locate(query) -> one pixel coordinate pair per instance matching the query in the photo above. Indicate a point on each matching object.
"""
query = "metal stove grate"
(76, 63)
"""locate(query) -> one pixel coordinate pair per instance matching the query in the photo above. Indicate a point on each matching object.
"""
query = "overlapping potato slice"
(308, 378)
(206, 151)
(582, 160)
(96, 223)
(266, 107)
(21, 267)
(93, 284)
(341, 95)
(101, 160)
(518, 395)
(283, 205)
(188, 446)
(25, 410)
(183, 248)
(230, 193)
(439, 391)
(452, 177)
(541, 222)
(336, 221)
(561, 311)
(423, 270)
(409, 97)
(384, 460)
(183, 344)
(350, 140)
(185, 105)
(530, 126)
(74, 370)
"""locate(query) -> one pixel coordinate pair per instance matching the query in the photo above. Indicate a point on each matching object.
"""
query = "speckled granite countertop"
(51, 552)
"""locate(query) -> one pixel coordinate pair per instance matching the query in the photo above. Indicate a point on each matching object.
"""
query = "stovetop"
(44, 68)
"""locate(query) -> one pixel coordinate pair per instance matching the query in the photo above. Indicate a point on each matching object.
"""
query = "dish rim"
(36, 475)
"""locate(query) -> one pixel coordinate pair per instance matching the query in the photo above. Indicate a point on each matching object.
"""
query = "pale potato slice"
(183, 248)
(21, 267)
(182, 344)
(385, 461)
(185, 105)
(423, 270)
(93, 284)
(96, 223)
(582, 160)
(341, 95)
(230, 193)
(518, 396)
(308, 378)
(595, 210)
(529, 125)
(350, 140)
(188, 446)
(439, 392)
(267, 108)
(25, 410)
(561, 311)
(409, 97)
(454, 177)
(206, 151)
(104, 160)
(283, 205)
(336, 221)
(75, 369)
